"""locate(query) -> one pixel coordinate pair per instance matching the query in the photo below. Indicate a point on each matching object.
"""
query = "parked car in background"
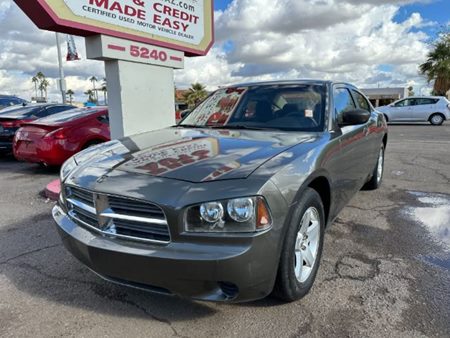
(12, 118)
(433, 109)
(10, 100)
(53, 139)
(230, 204)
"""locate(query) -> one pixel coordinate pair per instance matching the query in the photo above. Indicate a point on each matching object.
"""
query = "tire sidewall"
(436, 124)
(293, 288)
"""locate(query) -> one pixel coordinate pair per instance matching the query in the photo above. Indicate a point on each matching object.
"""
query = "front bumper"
(201, 270)
(5, 146)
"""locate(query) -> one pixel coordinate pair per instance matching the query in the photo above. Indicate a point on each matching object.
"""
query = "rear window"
(20, 110)
(68, 115)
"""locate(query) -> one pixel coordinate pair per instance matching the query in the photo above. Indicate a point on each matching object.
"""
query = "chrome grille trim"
(81, 205)
(94, 211)
(134, 218)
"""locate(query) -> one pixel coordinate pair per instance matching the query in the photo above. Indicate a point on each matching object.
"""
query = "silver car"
(433, 109)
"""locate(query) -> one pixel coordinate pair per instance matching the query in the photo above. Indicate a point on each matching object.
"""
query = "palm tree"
(35, 81)
(437, 66)
(94, 80)
(104, 89)
(43, 87)
(195, 94)
(91, 95)
(70, 93)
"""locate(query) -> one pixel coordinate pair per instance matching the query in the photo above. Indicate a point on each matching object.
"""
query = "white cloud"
(347, 40)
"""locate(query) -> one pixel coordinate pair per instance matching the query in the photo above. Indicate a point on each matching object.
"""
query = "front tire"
(302, 248)
(436, 119)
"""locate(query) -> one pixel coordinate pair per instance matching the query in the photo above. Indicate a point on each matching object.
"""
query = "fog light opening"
(230, 290)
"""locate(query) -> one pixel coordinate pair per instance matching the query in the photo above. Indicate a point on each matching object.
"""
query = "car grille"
(115, 216)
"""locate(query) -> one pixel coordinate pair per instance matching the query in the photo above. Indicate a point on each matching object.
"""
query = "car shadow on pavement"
(8, 163)
(34, 260)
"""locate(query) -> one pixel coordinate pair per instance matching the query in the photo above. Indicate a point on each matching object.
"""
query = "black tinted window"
(405, 103)
(361, 101)
(53, 110)
(343, 101)
(426, 101)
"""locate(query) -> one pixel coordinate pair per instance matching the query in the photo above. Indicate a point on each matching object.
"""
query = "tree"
(91, 95)
(70, 93)
(195, 94)
(437, 66)
(40, 83)
(104, 89)
(410, 91)
(94, 80)
(43, 87)
(35, 81)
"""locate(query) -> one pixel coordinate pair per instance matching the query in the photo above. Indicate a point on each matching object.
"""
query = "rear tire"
(436, 119)
(302, 248)
(377, 173)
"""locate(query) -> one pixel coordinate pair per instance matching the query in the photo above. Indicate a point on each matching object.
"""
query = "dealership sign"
(184, 25)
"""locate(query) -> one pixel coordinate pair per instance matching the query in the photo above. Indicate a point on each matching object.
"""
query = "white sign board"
(178, 20)
(102, 47)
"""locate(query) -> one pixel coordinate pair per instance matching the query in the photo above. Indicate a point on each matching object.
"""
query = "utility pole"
(62, 80)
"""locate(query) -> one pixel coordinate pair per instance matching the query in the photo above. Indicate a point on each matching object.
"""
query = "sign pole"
(62, 80)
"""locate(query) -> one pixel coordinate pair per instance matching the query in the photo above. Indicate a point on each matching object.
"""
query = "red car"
(52, 140)
(12, 118)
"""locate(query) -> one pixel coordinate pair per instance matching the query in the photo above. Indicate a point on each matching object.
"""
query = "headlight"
(241, 209)
(67, 168)
(248, 214)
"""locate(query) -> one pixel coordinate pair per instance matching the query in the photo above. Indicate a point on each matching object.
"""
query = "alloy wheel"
(307, 244)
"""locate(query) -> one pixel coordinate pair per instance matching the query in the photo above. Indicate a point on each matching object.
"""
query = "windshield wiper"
(241, 126)
(188, 126)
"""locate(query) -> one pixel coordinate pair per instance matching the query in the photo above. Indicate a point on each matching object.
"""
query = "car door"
(350, 167)
(401, 110)
(423, 109)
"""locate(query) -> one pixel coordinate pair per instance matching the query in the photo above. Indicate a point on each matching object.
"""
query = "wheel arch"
(437, 113)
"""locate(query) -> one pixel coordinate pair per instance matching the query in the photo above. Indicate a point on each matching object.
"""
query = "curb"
(52, 190)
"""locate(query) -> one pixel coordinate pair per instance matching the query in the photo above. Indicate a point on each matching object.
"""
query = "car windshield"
(283, 107)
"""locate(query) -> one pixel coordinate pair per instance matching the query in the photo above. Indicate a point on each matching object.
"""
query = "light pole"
(62, 80)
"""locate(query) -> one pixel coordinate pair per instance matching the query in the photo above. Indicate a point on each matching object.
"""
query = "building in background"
(384, 96)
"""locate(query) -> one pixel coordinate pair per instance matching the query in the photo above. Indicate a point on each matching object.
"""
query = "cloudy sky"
(370, 43)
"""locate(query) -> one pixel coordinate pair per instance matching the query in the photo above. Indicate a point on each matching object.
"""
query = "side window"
(103, 119)
(361, 100)
(426, 101)
(401, 103)
(343, 101)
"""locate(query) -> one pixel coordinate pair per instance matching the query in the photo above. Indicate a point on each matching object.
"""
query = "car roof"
(287, 82)
(18, 109)
(71, 115)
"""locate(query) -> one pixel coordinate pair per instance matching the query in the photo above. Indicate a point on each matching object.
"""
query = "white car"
(434, 109)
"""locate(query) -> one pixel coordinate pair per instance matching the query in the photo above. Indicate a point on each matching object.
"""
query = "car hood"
(194, 155)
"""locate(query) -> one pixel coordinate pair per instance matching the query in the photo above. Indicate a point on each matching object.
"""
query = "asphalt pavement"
(385, 270)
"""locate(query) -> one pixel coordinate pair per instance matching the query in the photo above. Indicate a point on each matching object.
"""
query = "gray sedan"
(231, 204)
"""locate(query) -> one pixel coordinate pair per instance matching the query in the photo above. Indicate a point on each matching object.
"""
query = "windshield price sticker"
(218, 109)
(179, 20)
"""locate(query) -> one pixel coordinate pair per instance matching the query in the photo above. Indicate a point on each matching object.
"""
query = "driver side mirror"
(354, 117)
